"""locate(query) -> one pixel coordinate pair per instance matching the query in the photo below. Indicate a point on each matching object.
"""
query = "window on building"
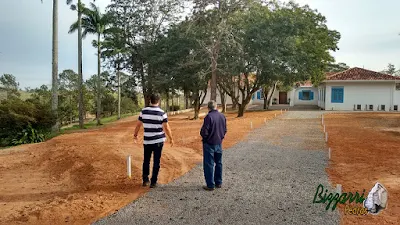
(358, 107)
(396, 108)
(371, 107)
(398, 86)
(383, 107)
(306, 95)
(337, 95)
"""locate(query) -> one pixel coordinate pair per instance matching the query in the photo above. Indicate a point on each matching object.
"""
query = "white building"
(352, 89)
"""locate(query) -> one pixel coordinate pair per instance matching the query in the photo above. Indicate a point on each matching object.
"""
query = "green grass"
(103, 121)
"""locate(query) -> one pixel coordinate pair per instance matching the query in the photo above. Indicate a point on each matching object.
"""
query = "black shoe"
(208, 188)
(218, 186)
(145, 183)
(153, 185)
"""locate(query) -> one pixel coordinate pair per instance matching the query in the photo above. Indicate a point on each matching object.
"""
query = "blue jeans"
(212, 156)
(148, 150)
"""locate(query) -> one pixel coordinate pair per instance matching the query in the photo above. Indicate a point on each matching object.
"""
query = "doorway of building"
(283, 98)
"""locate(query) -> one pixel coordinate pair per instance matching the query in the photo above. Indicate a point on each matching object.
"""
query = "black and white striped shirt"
(153, 118)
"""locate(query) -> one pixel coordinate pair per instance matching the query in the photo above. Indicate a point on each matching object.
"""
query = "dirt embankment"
(365, 150)
(79, 177)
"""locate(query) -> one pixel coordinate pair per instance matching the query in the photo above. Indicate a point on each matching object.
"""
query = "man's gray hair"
(212, 105)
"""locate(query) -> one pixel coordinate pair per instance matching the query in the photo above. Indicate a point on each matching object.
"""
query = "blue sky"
(369, 30)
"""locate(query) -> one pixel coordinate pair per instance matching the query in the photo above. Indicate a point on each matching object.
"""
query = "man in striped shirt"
(155, 122)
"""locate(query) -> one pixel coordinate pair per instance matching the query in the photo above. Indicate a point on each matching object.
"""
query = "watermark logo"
(377, 199)
(356, 203)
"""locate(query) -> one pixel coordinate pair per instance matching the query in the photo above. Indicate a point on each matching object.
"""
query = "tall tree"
(391, 69)
(68, 96)
(211, 23)
(79, 7)
(336, 67)
(54, 67)
(277, 42)
(93, 22)
(140, 23)
(114, 51)
(9, 85)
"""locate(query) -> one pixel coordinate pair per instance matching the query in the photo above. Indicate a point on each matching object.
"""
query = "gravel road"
(270, 178)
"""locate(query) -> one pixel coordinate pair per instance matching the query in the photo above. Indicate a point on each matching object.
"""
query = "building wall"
(298, 101)
(364, 93)
(255, 100)
(321, 96)
(396, 96)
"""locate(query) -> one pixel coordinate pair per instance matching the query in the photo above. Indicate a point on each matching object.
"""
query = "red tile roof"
(329, 74)
(360, 74)
(306, 83)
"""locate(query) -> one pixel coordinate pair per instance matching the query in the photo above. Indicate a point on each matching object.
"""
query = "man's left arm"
(204, 132)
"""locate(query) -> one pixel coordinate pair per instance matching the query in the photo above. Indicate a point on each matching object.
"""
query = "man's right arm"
(225, 125)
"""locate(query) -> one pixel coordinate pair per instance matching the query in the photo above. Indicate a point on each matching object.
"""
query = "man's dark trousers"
(148, 149)
(212, 156)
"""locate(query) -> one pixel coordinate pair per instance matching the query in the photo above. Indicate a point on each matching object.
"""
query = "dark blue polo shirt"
(214, 128)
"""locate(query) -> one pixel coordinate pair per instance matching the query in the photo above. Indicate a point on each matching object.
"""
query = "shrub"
(28, 135)
(24, 121)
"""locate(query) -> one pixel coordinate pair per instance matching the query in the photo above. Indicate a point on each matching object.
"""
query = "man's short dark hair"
(154, 98)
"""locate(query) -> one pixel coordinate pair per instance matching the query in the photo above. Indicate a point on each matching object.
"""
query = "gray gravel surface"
(270, 178)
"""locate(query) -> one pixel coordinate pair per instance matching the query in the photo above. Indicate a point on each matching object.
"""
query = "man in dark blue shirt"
(213, 132)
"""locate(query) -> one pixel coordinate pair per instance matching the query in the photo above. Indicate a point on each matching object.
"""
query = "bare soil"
(365, 150)
(79, 177)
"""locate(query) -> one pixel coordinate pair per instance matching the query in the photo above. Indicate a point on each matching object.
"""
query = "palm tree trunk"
(80, 79)
(54, 86)
(98, 79)
(119, 93)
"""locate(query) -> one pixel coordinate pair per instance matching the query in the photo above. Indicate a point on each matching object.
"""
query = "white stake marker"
(128, 166)
(339, 189)
(326, 137)
(329, 153)
(251, 125)
(265, 120)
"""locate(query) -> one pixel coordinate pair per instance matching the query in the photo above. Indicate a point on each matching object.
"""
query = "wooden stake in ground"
(265, 120)
(129, 167)
(251, 125)
(326, 137)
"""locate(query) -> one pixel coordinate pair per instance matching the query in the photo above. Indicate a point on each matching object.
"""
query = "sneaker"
(218, 186)
(145, 183)
(208, 188)
(153, 185)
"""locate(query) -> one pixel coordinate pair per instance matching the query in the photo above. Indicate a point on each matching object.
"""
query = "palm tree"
(54, 70)
(113, 49)
(94, 22)
(79, 8)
